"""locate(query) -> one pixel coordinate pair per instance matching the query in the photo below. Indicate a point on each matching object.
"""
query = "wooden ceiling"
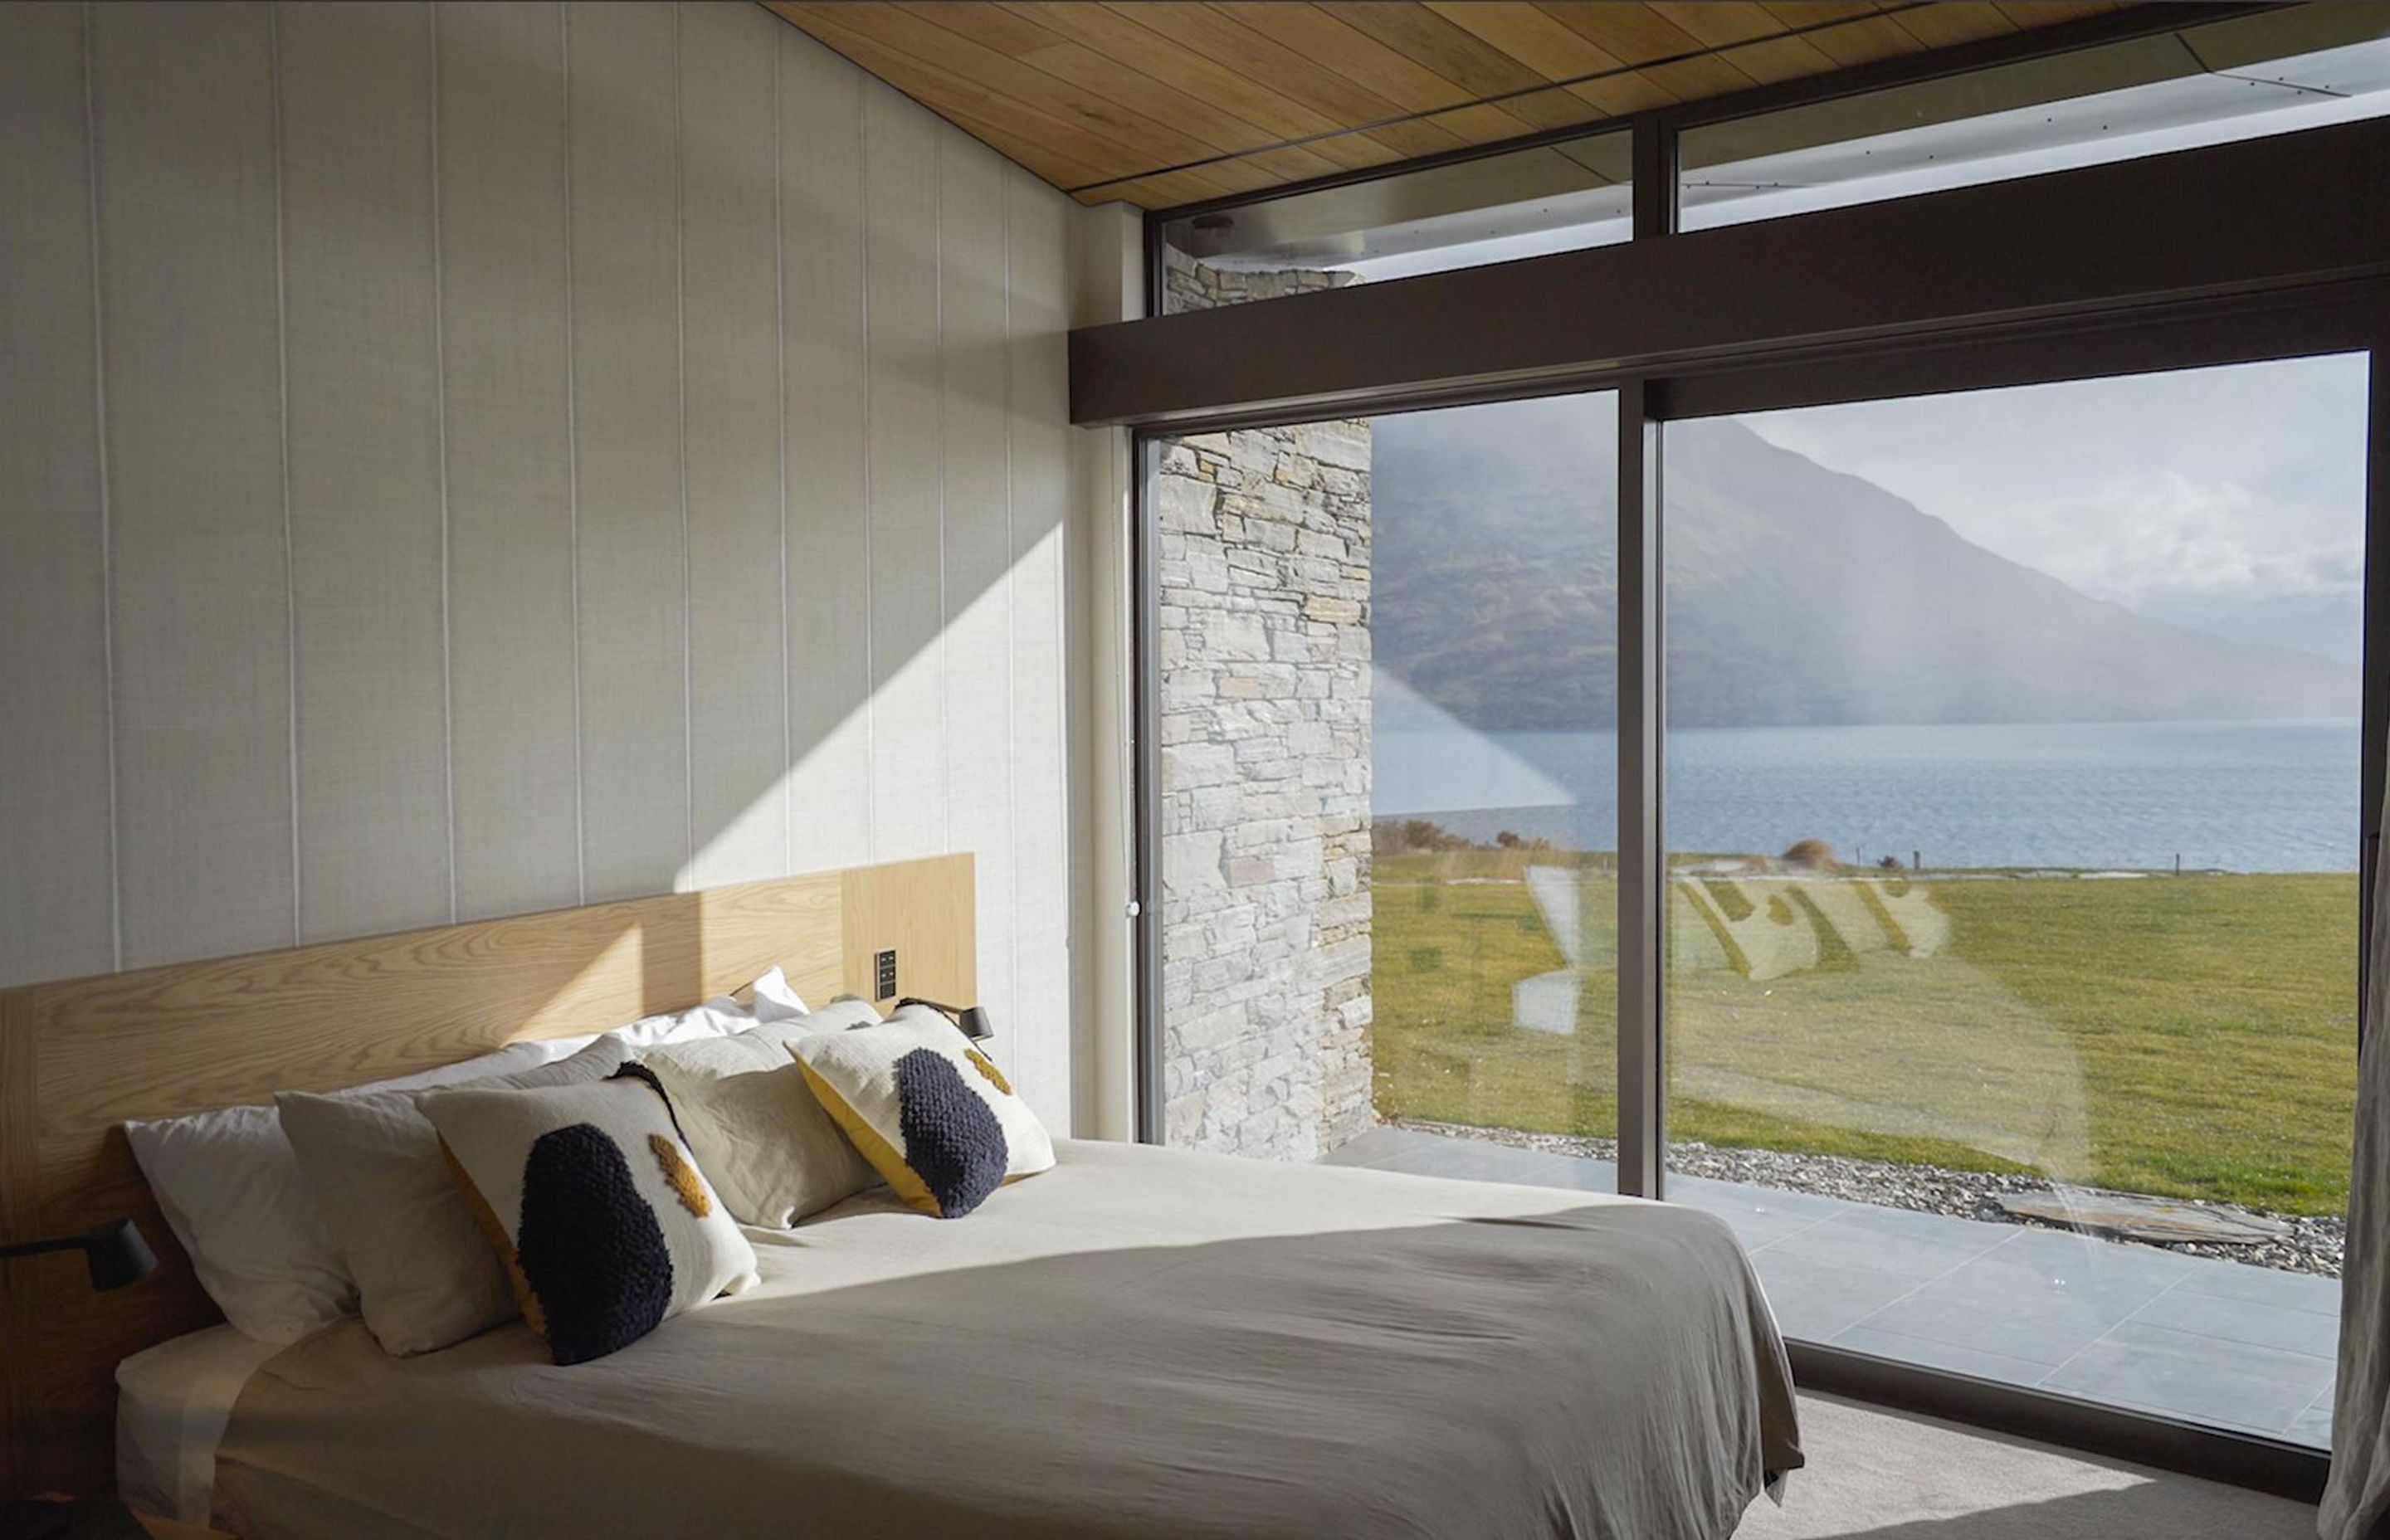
(1163, 102)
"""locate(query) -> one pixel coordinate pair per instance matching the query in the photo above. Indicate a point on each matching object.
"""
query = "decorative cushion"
(590, 1198)
(757, 1130)
(931, 1113)
(229, 1185)
(424, 1274)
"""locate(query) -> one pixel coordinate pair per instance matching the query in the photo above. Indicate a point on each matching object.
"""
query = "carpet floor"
(1891, 1476)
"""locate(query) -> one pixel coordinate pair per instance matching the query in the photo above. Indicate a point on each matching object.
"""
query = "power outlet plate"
(886, 966)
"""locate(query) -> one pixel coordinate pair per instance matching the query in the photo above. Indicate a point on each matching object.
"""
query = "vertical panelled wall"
(470, 460)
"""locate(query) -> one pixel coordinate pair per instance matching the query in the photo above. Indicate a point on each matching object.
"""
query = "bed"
(1139, 1342)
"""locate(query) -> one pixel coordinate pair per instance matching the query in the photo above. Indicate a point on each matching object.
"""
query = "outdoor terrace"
(2219, 1342)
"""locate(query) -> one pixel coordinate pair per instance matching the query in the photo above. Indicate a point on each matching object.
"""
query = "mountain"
(2330, 626)
(1795, 594)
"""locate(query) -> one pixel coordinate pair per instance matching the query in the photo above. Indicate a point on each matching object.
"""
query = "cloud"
(2244, 483)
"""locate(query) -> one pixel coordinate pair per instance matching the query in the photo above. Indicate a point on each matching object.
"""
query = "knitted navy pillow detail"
(589, 1245)
(952, 1138)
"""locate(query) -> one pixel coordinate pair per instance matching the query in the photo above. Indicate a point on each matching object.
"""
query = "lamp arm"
(33, 1248)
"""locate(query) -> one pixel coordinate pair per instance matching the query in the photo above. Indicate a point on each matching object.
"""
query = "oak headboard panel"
(79, 1057)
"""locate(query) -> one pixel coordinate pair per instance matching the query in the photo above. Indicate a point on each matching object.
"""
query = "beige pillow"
(758, 1131)
(425, 1276)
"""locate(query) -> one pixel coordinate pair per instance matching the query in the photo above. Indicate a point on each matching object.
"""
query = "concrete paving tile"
(2018, 1309)
(2312, 1427)
(1931, 1354)
(1816, 1300)
(2238, 1280)
(2078, 1259)
(2179, 1309)
(1905, 1250)
(2205, 1378)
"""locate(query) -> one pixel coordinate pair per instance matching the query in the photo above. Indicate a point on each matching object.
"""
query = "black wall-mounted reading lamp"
(114, 1252)
(972, 1019)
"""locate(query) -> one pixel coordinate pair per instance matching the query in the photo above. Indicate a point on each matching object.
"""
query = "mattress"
(172, 1403)
(1139, 1343)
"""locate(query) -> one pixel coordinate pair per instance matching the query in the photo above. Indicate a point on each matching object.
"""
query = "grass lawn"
(2189, 1036)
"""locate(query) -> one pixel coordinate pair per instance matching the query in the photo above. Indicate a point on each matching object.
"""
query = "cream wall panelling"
(903, 491)
(624, 190)
(57, 909)
(506, 347)
(365, 484)
(1041, 658)
(730, 232)
(184, 111)
(825, 353)
(498, 458)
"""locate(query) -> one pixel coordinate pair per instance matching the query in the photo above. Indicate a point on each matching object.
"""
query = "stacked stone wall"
(1264, 633)
(1264, 568)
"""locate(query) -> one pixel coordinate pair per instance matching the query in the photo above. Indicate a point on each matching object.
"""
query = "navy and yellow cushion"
(605, 1224)
(931, 1113)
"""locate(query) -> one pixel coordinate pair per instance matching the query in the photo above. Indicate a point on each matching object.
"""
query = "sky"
(2230, 499)
(2173, 494)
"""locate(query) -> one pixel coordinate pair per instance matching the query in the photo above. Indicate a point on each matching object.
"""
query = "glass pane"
(1498, 208)
(2239, 78)
(2012, 770)
(1387, 790)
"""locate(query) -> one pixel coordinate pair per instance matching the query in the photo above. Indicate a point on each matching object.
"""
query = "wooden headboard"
(80, 1057)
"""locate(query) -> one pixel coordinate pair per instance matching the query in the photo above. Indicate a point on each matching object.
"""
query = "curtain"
(2356, 1500)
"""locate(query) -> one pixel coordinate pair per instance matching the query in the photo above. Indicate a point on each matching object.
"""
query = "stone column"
(1264, 635)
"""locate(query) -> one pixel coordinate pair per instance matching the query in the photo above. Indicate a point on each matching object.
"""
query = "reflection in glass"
(2012, 774)
(2268, 73)
(1564, 196)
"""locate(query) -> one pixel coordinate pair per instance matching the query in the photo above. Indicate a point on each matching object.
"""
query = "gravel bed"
(2307, 1245)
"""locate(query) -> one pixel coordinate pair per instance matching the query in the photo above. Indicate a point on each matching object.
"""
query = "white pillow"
(774, 999)
(230, 1189)
(606, 1226)
(757, 1131)
(425, 1277)
(717, 1018)
(229, 1186)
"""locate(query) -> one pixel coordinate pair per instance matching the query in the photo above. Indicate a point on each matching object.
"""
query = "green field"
(2188, 1036)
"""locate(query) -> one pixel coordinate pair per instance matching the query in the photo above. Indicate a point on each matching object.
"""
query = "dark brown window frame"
(2106, 270)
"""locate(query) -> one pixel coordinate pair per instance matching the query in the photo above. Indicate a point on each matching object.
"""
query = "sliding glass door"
(1999, 988)
(2012, 771)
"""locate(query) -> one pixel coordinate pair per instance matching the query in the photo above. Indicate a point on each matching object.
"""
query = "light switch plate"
(886, 967)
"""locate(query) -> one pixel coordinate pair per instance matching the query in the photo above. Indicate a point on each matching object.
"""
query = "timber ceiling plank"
(1452, 52)
(1148, 54)
(1285, 70)
(1165, 102)
(1108, 80)
(1534, 37)
(1864, 40)
(1943, 26)
(1337, 46)
(1150, 140)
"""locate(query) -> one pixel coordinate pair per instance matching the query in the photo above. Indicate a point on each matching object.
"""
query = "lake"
(2240, 796)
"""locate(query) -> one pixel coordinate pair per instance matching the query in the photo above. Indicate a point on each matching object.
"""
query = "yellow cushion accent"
(684, 1181)
(985, 1066)
(499, 1241)
(900, 1177)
